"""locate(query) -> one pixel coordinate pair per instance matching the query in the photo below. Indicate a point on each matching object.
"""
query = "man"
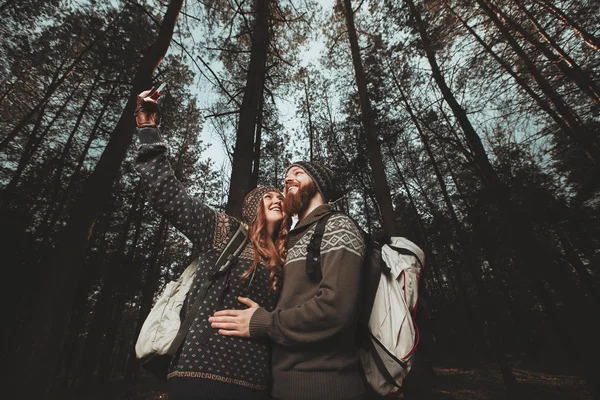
(312, 330)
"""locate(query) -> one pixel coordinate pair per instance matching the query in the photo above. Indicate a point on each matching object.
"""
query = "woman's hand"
(235, 322)
(147, 112)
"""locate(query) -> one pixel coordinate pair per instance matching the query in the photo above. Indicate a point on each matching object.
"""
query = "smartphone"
(156, 91)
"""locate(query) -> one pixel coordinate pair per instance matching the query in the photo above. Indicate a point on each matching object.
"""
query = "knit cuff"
(259, 323)
(149, 135)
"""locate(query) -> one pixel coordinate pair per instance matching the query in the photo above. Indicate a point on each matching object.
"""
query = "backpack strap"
(226, 260)
(370, 347)
(313, 250)
(406, 252)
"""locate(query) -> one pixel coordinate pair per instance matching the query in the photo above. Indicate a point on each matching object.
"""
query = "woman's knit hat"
(323, 176)
(252, 201)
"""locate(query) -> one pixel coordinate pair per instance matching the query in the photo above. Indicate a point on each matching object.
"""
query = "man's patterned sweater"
(313, 328)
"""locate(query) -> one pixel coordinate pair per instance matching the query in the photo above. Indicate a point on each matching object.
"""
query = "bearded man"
(313, 328)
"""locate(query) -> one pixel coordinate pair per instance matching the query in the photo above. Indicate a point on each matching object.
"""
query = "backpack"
(387, 332)
(163, 331)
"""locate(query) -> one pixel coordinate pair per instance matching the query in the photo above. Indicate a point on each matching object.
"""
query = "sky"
(286, 107)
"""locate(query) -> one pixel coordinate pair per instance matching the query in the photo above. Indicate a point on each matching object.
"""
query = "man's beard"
(296, 203)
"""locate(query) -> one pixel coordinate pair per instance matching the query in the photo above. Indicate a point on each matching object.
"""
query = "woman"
(209, 366)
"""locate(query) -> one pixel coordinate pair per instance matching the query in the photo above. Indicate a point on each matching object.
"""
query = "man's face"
(299, 190)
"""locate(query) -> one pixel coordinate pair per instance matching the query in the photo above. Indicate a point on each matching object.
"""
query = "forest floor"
(479, 383)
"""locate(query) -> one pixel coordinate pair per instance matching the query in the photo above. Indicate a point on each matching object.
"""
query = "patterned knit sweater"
(314, 352)
(224, 359)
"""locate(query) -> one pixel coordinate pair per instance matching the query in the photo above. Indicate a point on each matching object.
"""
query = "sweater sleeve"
(168, 196)
(334, 307)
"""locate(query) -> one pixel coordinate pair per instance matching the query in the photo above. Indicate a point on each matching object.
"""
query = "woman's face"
(273, 204)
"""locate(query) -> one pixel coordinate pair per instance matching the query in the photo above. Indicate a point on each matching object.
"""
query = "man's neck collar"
(313, 216)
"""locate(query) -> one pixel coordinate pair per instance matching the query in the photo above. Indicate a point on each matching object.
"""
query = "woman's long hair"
(271, 252)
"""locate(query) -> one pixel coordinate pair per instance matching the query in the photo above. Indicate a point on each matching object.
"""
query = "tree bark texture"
(533, 254)
(586, 140)
(243, 153)
(587, 37)
(40, 347)
(381, 187)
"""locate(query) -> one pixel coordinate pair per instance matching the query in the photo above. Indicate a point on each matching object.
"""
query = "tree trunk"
(587, 37)
(310, 125)
(564, 61)
(115, 276)
(543, 104)
(257, 144)
(126, 287)
(411, 201)
(30, 148)
(243, 153)
(40, 347)
(62, 201)
(381, 187)
(55, 183)
(519, 230)
(8, 191)
(150, 286)
(58, 80)
(488, 311)
(585, 139)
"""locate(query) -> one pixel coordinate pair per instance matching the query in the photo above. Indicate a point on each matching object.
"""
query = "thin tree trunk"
(32, 145)
(519, 230)
(582, 273)
(58, 80)
(105, 366)
(350, 165)
(257, 144)
(150, 287)
(565, 62)
(411, 201)
(95, 346)
(587, 37)
(240, 183)
(581, 135)
(9, 87)
(488, 310)
(62, 201)
(543, 104)
(381, 187)
(310, 125)
(420, 223)
(23, 161)
(62, 161)
(41, 343)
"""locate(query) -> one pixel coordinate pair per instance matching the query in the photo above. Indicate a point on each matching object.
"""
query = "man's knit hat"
(323, 176)
(252, 201)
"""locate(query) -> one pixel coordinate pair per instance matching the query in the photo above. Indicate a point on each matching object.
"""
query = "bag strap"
(225, 261)
(313, 250)
(407, 252)
(370, 347)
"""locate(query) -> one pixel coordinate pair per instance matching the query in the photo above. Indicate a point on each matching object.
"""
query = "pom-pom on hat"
(252, 201)
(323, 176)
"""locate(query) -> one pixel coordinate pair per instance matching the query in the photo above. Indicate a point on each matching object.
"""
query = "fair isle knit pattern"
(340, 234)
(226, 359)
(314, 353)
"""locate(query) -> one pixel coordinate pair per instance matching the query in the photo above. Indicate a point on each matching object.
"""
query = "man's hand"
(234, 322)
(147, 112)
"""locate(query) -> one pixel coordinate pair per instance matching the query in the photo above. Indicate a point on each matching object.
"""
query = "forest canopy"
(469, 126)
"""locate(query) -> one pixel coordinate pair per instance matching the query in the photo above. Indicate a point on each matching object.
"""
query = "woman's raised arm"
(164, 192)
